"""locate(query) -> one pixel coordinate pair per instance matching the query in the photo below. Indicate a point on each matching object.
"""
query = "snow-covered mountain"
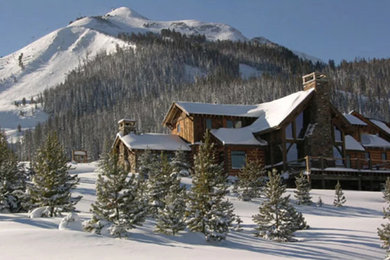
(45, 63)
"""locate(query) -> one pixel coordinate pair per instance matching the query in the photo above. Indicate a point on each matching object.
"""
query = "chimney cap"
(314, 76)
(126, 120)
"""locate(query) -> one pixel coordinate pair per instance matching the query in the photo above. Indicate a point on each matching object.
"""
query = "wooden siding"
(253, 153)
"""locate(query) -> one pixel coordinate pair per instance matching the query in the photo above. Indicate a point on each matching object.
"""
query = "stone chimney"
(320, 142)
(126, 126)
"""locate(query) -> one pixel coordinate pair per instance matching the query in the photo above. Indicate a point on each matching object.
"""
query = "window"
(337, 134)
(209, 123)
(289, 132)
(300, 131)
(178, 128)
(384, 156)
(337, 154)
(367, 155)
(238, 159)
(348, 161)
(229, 123)
(292, 153)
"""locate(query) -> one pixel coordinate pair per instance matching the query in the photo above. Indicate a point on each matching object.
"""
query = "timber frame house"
(301, 131)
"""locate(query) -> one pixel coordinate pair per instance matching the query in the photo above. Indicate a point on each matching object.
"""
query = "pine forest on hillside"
(142, 83)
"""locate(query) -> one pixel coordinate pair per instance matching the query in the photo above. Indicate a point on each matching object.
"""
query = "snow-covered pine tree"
(339, 198)
(12, 180)
(52, 184)
(302, 192)
(148, 164)
(207, 209)
(180, 164)
(118, 205)
(170, 219)
(158, 185)
(277, 219)
(251, 180)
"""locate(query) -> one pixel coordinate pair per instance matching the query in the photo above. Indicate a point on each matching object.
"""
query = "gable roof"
(270, 115)
(353, 145)
(153, 141)
(369, 140)
(353, 120)
(191, 108)
(236, 136)
(381, 125)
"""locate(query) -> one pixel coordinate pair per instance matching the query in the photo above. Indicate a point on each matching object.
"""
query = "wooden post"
(307, 160)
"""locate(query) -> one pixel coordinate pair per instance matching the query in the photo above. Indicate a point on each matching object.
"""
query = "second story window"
(209, 124)
(229, 124)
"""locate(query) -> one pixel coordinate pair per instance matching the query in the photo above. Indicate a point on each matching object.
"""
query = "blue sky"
(329, 29)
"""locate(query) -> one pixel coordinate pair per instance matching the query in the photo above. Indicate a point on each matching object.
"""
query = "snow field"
(335, 233)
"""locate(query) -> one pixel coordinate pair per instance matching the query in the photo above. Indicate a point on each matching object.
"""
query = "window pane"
(289, 133)
(237, 124)
(292, 154)
(337, 135)
(238, 159)
(229, 123)
(208, 123)
(299, 126)
(384, 156)
(338, 156)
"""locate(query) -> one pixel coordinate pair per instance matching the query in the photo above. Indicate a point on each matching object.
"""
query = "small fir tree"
(158, 185)
(302, 192)
(118, 206)
(207, 210)
(277, 219)
(148, 164)
(180, 164)
(12, 180)
(170, 218)
(251, 180)
(339, 198)
(52, 184)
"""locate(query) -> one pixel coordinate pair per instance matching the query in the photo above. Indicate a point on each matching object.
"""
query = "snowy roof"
(353, 120)
(352, 144)
(237, 136)
(369, 140)
(154, 141)
(217, 109)
(125, 120)
(381, 125)
(272, 114)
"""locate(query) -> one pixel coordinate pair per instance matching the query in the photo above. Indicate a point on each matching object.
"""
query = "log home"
(302, 131)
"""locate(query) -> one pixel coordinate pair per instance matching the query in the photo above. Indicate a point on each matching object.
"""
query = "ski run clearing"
(349, 232)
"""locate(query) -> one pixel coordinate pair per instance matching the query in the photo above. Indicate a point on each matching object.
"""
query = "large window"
(300, 131)
(238, 159)
(292, 153)
(337, 135)
(209, 124)
(289, 132)
(338, 155)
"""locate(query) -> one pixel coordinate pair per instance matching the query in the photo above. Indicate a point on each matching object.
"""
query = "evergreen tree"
(207, 210)
(251, 180)
(158, 185)
(148, 164)
(339, 198)
(180, 164)
(170, 218)
(302, 192)
(12, 180)
(52, 184)
(277, 219)
(118, 206)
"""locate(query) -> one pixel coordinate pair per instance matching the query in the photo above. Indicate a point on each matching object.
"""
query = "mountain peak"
(125, 12)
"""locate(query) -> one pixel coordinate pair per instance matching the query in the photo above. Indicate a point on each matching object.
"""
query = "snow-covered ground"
(335, 233)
